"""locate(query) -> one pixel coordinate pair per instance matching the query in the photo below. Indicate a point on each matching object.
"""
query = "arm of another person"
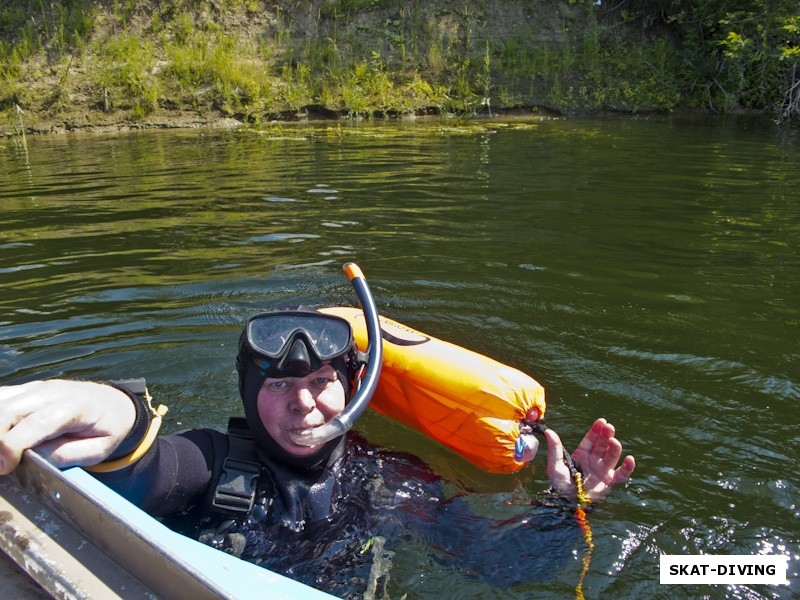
(598, 455)
(70, 423)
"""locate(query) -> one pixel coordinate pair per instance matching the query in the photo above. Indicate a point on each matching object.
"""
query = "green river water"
(644, 270)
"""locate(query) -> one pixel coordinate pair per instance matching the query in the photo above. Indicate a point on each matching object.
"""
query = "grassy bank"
(109, 63)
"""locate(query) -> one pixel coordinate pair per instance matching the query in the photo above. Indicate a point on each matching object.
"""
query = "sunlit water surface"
(642, 270)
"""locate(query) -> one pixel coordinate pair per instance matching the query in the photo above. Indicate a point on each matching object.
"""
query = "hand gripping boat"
(468, 402)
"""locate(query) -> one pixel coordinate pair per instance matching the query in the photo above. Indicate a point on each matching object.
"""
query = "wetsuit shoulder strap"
(236, 489)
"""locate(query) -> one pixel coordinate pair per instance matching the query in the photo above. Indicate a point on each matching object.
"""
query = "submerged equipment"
(468, 402)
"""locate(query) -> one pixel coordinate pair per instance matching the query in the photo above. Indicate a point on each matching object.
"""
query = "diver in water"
(260, 491)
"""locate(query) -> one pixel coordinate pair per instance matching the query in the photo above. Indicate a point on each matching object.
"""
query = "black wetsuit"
(339, 527)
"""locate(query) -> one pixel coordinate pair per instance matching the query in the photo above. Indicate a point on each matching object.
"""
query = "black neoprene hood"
(299, 361)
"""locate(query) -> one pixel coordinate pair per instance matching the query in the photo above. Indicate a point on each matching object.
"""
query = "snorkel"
(341, 423)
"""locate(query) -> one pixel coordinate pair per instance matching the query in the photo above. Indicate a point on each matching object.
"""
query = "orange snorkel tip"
(352, 270)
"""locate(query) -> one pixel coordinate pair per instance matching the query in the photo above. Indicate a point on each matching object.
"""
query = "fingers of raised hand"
(611, 453)
(599, 446)
(624, 471)
(595, 439)
(555, 451)
(557, 470)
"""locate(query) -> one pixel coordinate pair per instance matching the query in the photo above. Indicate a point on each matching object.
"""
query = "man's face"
(289, 405)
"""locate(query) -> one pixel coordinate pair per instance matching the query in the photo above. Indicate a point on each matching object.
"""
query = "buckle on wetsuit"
(236, 490)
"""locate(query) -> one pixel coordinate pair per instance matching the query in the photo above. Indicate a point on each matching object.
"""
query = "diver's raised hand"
(598, 455)
(67, 422)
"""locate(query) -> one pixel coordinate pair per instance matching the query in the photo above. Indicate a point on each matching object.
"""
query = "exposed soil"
(56, 107)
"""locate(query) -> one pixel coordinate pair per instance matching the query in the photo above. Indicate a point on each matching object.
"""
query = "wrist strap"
(135, 389)
(156, 414)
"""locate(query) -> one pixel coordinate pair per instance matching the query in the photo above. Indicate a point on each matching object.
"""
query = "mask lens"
(269, 334)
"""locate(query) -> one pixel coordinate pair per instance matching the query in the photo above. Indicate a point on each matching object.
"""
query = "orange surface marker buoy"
(468, 402)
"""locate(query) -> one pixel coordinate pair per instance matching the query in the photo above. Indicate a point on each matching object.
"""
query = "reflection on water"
(643, 270)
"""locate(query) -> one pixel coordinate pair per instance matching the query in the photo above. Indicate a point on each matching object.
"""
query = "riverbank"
(104, 65)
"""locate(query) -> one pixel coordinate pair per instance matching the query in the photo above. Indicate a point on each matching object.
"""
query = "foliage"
(125, 65)
(53, 31)
(755, 55)
(744, 53)
(255, 59)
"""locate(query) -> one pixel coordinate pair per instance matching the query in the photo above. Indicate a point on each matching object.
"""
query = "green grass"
(371, 58)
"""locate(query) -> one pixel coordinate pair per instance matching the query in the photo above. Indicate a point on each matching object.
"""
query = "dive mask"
(294, 344)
